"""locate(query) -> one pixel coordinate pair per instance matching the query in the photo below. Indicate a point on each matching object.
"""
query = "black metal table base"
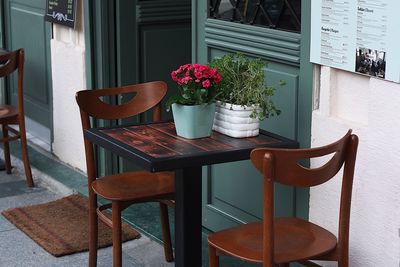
(188, 217)
(2, 166)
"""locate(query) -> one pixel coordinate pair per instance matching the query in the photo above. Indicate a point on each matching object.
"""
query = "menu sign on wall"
(61, 12)
(357, 35)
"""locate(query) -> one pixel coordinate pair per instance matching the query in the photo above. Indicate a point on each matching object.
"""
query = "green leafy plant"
(243, 83)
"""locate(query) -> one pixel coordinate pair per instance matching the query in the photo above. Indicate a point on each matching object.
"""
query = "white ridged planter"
(234, 120)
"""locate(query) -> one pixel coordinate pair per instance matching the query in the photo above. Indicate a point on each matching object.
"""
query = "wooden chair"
(14, 115)
(279, 241)
(126, 188)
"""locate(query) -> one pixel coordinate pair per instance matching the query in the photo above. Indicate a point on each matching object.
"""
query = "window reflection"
(277, 14)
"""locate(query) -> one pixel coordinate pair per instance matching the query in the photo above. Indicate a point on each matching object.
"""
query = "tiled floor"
(144, 217)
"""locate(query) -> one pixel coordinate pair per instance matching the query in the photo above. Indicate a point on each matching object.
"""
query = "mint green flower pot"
(193, 121)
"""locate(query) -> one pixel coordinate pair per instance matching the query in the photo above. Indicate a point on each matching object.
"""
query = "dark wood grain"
(160, 141)
(139, 139)
(205, 144)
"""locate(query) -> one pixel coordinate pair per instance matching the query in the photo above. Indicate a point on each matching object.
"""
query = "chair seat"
(131, 186)
(295, 239)
(8, 112)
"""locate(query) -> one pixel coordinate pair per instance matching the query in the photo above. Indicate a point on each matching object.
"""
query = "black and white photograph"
(371, 62)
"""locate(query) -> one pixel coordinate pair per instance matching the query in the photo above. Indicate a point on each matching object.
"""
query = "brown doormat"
(61, 226)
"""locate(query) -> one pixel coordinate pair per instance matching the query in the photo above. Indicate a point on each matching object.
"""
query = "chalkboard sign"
(61, 12)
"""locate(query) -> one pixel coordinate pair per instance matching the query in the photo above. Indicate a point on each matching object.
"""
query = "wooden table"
(156, 147)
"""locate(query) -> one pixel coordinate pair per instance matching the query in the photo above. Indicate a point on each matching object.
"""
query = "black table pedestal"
(188, 217)
(2, 166)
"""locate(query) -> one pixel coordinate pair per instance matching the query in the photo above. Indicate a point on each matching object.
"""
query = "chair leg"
(212, 256)
(116, 234)
(166, 233)
(25, 158)
(93, 228)
(7, 160)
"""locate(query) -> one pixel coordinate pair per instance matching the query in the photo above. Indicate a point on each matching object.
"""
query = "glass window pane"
(276, 14)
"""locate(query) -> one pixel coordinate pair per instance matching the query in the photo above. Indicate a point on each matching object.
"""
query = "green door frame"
(2, 32)
(99, 44)
(306, 97)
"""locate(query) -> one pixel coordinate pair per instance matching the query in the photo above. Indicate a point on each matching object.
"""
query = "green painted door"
(136, 41)
(232, 193)
(25, 28)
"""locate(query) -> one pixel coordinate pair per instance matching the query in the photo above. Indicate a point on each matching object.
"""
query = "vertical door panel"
(26, 28)
(158, 61)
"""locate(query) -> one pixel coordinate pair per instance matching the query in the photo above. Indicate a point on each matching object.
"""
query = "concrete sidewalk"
(17, 249)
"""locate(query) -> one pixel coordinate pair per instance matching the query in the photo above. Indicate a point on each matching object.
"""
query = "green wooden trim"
(2, 17)
(126, 36)
(305, 98)
(104, 31)
(269, 44)
(194, 30)
(50, 84)
(2, 45)
(88, 26)
(99, 40)
(306, 78)
(199, 47)
(100, 60)
(252, 30)
(161, 10)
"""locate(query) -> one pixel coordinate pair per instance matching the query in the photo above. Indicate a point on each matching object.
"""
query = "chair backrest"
(283, 166)
(9, 62)
(145, 97)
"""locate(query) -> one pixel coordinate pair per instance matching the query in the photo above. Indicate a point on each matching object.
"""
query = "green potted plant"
(193, 107)
(244, 99)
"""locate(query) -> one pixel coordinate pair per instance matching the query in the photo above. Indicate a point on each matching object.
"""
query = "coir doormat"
(61, 226)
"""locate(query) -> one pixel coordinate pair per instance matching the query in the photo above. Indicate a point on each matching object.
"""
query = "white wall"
(370, 107)
(68, 73)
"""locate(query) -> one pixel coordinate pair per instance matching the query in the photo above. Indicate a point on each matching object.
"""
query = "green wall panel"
(285, 99)
(20, 16)
(158, 61)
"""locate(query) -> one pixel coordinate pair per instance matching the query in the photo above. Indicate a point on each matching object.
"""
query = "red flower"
(191, 78)
(217, 78)
(173, 75)
(186, 79)
(206, 83)
(198, 74)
